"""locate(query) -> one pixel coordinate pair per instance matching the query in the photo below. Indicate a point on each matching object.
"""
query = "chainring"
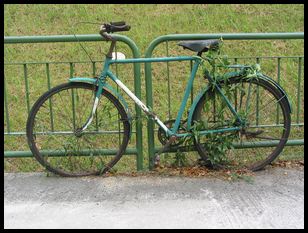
(163, 138)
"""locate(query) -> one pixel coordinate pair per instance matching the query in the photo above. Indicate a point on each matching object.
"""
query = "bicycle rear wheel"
(52, 130)
(267, 116)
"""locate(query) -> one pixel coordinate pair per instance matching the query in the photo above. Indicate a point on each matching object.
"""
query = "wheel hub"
(78, 132)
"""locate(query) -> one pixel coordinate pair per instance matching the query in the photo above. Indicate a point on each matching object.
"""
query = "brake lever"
(104, 34)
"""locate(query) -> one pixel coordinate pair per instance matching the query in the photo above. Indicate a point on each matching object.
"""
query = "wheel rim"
(55, 128)
(262, 103)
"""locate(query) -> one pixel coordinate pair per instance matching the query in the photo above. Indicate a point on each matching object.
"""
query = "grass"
(148, 22)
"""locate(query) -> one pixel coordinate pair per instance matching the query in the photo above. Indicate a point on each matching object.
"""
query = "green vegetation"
(148, 22)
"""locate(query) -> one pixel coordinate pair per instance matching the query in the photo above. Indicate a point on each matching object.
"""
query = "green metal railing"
(225, 36)
(138, 150)
(297, 120)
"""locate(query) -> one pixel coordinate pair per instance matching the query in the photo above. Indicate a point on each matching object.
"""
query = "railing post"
(76, 38)
(177, 37)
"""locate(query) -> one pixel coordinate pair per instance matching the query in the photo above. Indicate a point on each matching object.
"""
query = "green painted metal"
(68, 38)
(90, 37)
(27, 87)
(107, 73)
(133, 151)
(118, 94)
(278, 81)
(168, 82)
(120, 97)
(298, 88)
(96, 37)
(137, 83)
(248, 98)
(93, 68)
(93, 81)
(73, 99)
(284, 94)
(230, 129)
(6, 107)
(194, 105)
(100, 61)
(82, 80)
(295, 142)
(177, 37)
(50, 104)
(155, 59)
(20, 154)
(186, 96)
(258, 96)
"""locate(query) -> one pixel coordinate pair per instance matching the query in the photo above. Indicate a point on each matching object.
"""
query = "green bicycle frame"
(106, 73)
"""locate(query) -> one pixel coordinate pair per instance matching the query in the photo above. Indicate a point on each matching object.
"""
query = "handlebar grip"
(121, 23)
(119, 28)
(108, 28)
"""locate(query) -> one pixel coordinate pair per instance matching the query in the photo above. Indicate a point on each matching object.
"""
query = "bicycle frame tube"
(138, 102)
(186, 96)
(216, 86)
(107, 73)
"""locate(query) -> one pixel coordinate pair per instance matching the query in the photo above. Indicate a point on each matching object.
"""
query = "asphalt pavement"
(274, 200)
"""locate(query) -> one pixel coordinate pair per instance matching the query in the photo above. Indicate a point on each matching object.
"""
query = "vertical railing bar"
(27, 87)
(117, 74)
(278, 81)
(93, 68)
(241, 95)
(73, 100)
(50, 103)
(235, 92)
(93, 74)
(298, 88)
(257, 100)
(6, 107)
(192, 87)
(236, 60)
(168, 82)
(214, 106)
(248, 97)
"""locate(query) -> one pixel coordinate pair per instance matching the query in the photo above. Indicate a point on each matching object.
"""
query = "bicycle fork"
(92, 114)
(98, 95)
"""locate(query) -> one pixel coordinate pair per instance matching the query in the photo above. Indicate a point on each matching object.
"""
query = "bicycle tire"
(50, 164)
(283, 106)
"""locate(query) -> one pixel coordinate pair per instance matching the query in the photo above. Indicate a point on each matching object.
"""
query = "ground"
(275, 199)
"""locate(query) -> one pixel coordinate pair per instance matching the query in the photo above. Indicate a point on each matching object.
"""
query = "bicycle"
(83, 127)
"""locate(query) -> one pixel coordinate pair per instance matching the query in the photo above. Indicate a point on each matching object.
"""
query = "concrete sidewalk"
(274, 200)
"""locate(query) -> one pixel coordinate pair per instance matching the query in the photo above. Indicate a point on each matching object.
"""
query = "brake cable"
(84, 22)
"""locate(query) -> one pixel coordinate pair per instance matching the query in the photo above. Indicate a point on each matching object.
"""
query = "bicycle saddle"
(200, 45)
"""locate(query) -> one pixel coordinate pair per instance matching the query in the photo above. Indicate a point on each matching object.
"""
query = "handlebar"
(121, 23)
(107, 28)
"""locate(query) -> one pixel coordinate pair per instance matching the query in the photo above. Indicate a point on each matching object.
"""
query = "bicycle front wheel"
(54, 139)
(265, 111)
